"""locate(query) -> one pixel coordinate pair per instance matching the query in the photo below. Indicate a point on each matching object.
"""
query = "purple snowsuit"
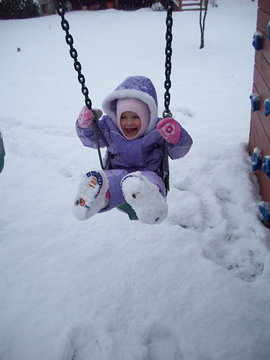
(144, 154)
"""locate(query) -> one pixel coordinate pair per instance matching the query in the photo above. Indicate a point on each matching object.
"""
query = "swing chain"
(78, 67)
(73, 54)
(167, 85)
(168, 64)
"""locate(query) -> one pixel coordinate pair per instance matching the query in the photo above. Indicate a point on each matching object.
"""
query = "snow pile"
(196, 286)
(157, 6)
(145, 198)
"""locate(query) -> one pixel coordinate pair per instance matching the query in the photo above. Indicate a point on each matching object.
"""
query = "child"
(136, 145)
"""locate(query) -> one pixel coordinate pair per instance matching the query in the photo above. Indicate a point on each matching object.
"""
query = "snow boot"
(92, 195)
(145, 198)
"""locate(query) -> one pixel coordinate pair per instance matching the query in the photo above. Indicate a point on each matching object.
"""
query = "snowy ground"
(196, 287)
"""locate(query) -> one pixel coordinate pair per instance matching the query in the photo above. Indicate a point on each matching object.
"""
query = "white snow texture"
(144, 197)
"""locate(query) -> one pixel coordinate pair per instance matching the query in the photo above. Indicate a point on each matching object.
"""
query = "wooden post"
(179, 6)
(259, 136)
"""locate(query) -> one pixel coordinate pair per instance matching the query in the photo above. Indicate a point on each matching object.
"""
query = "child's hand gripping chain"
(169, 129)
(86, 117)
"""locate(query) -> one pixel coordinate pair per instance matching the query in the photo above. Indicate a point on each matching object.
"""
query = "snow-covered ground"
(197, 286)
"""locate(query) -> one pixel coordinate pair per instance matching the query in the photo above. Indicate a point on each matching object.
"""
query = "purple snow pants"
(116, 175)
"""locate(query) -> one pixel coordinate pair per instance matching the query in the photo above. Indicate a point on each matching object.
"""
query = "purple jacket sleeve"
(87, 136)
(180, 149)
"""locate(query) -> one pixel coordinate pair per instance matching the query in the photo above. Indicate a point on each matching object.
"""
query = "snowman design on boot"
(92, 195)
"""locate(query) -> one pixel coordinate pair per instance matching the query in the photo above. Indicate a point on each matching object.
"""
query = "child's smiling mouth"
(131, 130)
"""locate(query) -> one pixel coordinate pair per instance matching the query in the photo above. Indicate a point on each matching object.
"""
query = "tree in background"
(203, 13)
(134, 4)
(18, 9)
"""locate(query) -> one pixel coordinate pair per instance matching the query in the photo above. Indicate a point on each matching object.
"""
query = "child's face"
(130, 123)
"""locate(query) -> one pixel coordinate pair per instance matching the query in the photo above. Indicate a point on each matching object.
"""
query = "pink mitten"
(169, 129)
(86, 117)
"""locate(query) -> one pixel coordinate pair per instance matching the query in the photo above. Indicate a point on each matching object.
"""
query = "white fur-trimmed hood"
(138, 87)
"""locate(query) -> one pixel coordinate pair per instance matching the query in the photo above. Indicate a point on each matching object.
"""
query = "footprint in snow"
(82, 345)
(163, 346)
(200, 215)
(247, 267)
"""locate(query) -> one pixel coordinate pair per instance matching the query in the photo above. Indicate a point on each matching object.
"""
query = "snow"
(195, 287)
(145, 198)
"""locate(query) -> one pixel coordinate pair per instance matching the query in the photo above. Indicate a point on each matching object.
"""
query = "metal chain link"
(168, 64)
(73, 54)
(78, 67)
(167, 85)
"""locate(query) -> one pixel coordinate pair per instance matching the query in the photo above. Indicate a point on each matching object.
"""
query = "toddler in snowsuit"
(136, 139)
